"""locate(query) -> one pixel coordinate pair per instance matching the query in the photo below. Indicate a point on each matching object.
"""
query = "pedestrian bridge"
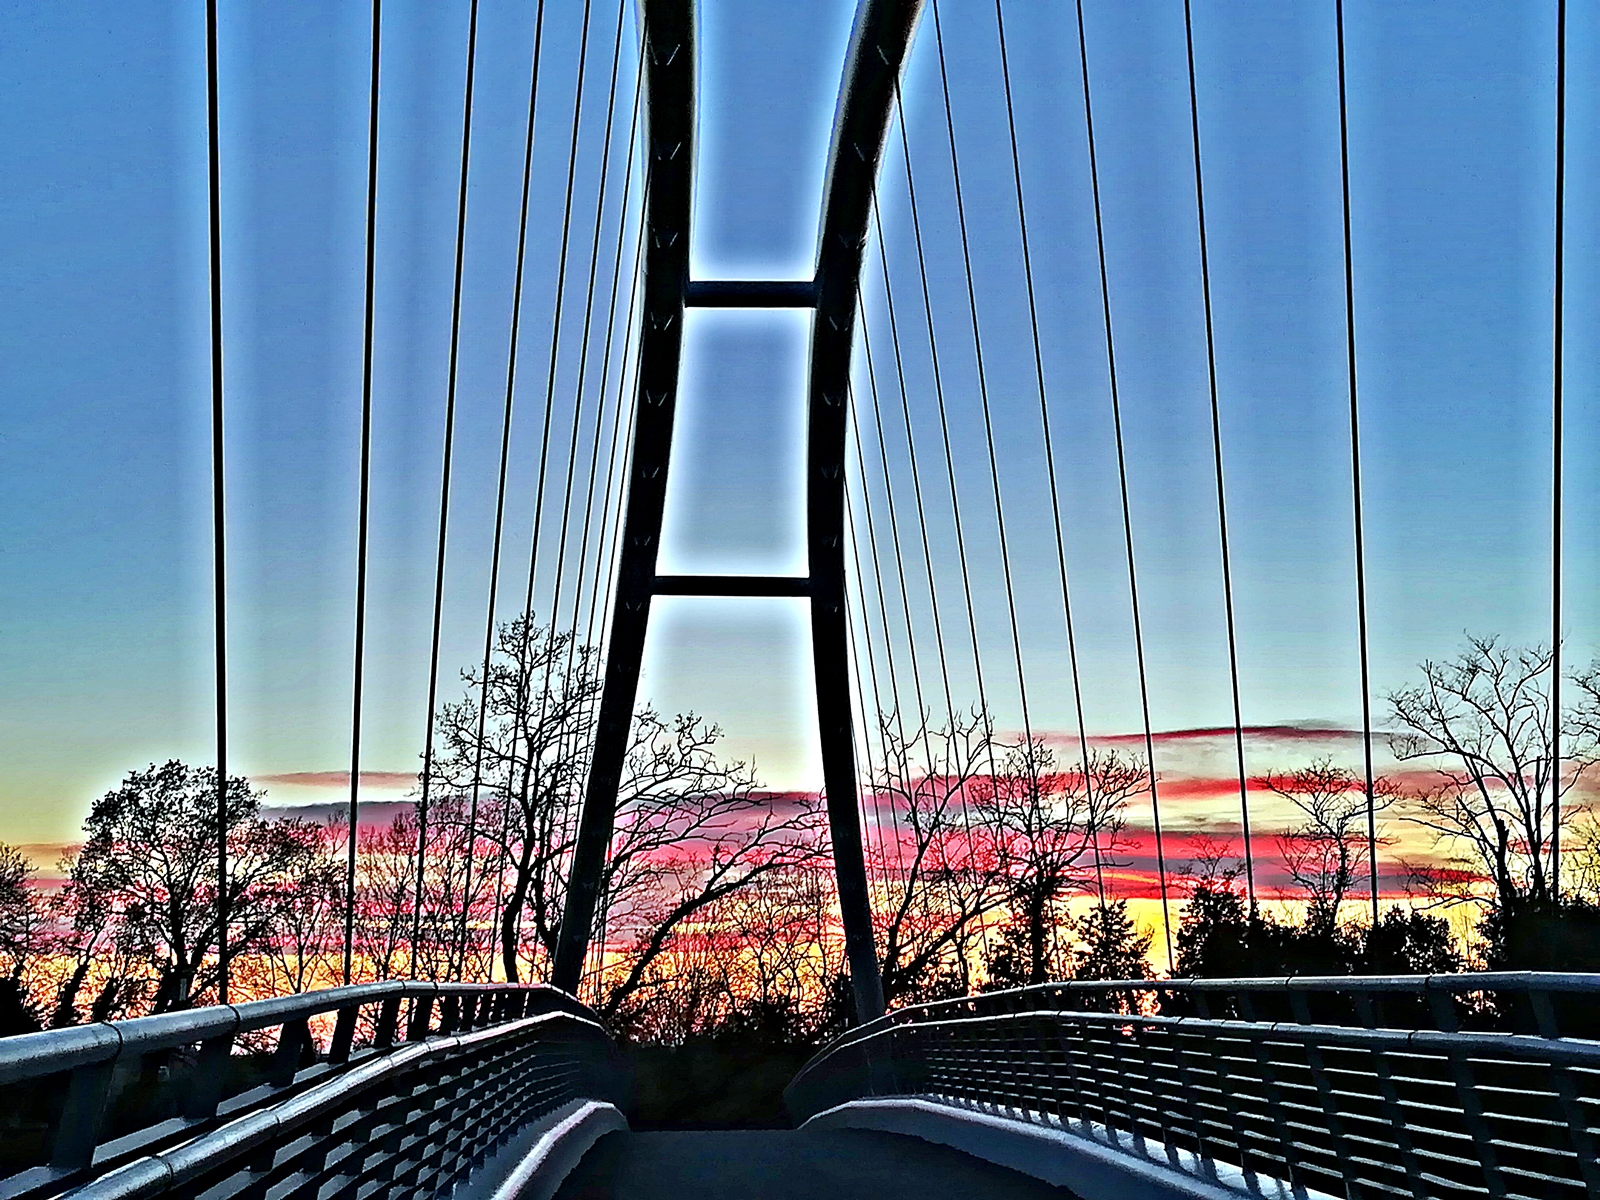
(1419, 1086)
(1437, 1086)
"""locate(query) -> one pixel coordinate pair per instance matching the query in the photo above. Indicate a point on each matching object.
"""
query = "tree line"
(987, 857)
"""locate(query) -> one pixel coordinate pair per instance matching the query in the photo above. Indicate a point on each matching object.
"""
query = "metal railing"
(1343, 1110)
(1545, 1003)
(366, 1062)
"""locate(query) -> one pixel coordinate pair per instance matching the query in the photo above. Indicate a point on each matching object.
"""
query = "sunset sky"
(105, 625)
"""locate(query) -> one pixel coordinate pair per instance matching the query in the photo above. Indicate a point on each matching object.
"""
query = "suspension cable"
(605, 554)
(955, 505)
(584, 337)
(994, 466)
(887, 636)
(578, 394)
(877, 698)
(911, 458)
(983, 397)
(605, 363)
(877, 570)
(916, 487)
(1122, 481)
(899, 558)
(894, 533)
(444, 481)
(500, 500)
(364, 491)
(898, 866)
(610, 554)
(523, 683)
(1355, 473)
(1049, 454)
(577, 416)
(569, 817)
(944, 426)
(605, 375)
(1557, 370)
(867, 801)
(1216, 451)
(218, 493)
(511, 378)
(597, 950)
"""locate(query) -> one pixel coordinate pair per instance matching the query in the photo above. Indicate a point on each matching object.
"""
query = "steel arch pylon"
(879, 43)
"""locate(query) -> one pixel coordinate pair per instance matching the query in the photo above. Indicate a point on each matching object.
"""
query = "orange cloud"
(389, 780)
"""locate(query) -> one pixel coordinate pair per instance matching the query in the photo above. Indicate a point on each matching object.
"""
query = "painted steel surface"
(376, 1028)
(1337, 1108)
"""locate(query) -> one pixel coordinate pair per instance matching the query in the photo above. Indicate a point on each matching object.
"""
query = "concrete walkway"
(833, 1164)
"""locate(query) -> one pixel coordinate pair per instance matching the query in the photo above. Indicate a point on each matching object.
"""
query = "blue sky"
(104, 484)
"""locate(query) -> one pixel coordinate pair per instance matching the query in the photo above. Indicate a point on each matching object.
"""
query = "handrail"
(52, 1051)
(1329, 1108)
(1532, 988)
(97, 1060)
(313, 1137)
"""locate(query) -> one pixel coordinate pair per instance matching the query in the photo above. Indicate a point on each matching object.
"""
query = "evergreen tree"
(1111, 945)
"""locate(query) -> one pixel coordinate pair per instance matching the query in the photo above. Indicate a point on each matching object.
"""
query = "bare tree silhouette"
(1482, 722)
(1325, 855)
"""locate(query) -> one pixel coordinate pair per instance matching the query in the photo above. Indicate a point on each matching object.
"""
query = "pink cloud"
(375, 814)
(1282, 733)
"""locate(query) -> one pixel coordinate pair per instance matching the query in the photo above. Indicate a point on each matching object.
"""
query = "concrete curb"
(533, 1164)
(1092, 1162)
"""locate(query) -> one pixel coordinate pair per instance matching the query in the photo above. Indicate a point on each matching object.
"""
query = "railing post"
(1300, 1007)
(1055, 1096)
(1344, 1149)
(1129, 1116)
(449, 1015)
(388, 1023)
(79, 1132)
(1241, 1131)
(1397, 1124)
(883, 1065)
(344, 1034)
(1544, 1017)
(1544, 1014)
(1366, 1013)
(1477, 1127)
(1583, 1145)
(1273, 1097)
(1079, 1092)
(1160, 1100)
(210, 1075)
(1186, 1085)
(421, 1014)
(1443, 1006)
(293, 1039)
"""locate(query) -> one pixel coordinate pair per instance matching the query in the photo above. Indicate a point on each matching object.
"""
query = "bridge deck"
(834, 1164)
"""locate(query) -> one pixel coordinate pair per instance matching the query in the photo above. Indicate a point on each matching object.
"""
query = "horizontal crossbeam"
(750, 293)
(732, 585)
